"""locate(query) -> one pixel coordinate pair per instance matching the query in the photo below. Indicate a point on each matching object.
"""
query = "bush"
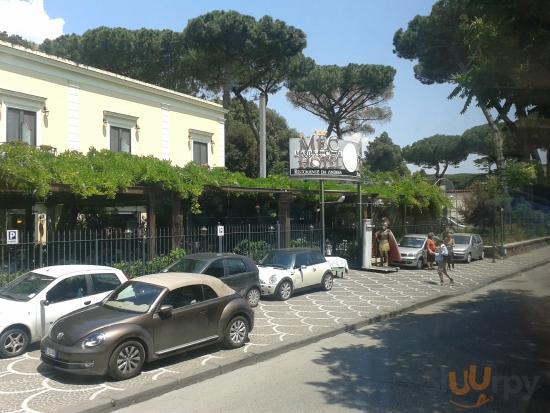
(254, 249)
(137, 268)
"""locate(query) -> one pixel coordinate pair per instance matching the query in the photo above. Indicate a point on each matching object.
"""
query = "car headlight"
(93, 340)
(273, 279)
(410, 254)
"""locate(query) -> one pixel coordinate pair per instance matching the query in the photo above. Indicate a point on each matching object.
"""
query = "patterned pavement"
(28, 386)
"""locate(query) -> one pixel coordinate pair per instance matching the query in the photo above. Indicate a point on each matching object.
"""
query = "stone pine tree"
(382, 155)
(348, 98)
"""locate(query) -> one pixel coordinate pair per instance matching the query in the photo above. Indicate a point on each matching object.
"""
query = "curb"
(161, 387)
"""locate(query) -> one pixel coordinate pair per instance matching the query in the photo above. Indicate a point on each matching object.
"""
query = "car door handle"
(314, 269)
(87, 302)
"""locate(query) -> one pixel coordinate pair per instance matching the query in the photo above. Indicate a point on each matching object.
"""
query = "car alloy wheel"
(469, 258)
(253, 296)
(328, 282)
(14, 342)
(285, 290)
(420, 264)
(482, 255)
(236, 333)
(127, 360)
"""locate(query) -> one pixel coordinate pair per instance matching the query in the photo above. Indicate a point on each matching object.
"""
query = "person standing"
(430, 250)
(450, 244)
(441, 259)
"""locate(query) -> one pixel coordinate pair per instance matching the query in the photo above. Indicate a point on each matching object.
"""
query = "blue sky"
(342, 32)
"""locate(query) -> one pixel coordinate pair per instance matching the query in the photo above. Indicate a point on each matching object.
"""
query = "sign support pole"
(322, 189)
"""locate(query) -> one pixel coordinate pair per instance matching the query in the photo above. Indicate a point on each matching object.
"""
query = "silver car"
(413, 250)
(468, 247)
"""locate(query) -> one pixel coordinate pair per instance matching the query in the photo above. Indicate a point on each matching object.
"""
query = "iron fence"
(113, 246)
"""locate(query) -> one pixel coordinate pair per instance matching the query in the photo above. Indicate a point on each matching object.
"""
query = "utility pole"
(263, 103)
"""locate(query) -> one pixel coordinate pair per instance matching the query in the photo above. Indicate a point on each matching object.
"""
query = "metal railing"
(114, 246)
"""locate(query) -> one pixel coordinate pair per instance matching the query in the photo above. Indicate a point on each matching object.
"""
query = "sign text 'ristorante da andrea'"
(320, 157)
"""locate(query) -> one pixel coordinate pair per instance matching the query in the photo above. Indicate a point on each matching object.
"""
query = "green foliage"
(519, 175)
(106, 173)
(495, 54)
(348, 98)
(384, 156)
(148, 55)
(17, 40)
(157, 264)
(437, 152)
(241, 151)
(254, 249)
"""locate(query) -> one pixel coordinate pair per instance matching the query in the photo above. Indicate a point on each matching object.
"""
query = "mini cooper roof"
(173, 280)
(57, 271)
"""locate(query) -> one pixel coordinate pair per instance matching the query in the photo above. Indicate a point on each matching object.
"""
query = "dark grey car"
(237, 271)
(145, 319)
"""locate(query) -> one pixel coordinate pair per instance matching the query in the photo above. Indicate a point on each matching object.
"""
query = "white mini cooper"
(30, 304)
(286, 270)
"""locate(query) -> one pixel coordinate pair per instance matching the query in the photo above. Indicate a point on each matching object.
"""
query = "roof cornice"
(104, 75)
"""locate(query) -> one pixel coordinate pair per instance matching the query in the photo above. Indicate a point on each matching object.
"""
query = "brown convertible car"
(145, 319)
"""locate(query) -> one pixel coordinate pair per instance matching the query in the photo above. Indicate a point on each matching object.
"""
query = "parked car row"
(413, 249)
(93, 320)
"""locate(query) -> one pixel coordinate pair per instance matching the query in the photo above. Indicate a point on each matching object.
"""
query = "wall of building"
(76, 106)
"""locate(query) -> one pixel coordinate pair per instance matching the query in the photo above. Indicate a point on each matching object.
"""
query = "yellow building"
(48, 101)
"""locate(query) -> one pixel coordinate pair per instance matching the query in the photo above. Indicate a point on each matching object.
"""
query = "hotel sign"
(319, 157)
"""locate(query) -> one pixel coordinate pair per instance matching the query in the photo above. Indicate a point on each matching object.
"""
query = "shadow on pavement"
(407, 366)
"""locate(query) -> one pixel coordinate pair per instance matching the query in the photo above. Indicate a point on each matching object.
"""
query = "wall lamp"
(45, 112)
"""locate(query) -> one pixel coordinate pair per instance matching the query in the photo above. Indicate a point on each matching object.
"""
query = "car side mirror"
(45, 303)
(166, 310)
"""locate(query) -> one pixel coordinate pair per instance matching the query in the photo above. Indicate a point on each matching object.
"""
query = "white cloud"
(28, 19)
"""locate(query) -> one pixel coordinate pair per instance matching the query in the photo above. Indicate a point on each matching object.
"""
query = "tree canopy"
(437, 152)
(348, 98)
(494, 53)
(383, 155)
(148, 55)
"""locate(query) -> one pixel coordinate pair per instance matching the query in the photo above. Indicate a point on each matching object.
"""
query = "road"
(403, 365)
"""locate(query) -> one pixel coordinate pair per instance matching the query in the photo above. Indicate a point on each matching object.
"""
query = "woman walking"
(441, 259)
(450, 244)
(430, 250)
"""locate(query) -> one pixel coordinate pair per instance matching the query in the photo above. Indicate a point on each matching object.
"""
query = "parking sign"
(220, 230)
(12, 236)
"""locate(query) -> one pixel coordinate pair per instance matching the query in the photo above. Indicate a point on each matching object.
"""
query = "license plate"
(50, 352)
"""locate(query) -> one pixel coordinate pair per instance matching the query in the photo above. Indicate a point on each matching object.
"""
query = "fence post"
(96, 249)
(278, 235)
(249, 240)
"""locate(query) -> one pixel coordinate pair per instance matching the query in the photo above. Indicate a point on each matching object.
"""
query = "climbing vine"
(106, 173)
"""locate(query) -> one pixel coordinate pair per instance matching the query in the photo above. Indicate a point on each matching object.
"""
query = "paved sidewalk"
(358, 299)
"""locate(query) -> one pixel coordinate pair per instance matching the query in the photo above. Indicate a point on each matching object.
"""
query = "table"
(339, 265)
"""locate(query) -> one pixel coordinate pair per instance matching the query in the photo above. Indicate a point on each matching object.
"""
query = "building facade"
(50, 102)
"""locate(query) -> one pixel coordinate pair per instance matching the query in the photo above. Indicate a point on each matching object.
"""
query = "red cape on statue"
(394, 254)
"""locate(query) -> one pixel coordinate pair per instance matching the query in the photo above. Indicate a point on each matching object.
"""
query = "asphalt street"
(498, 338)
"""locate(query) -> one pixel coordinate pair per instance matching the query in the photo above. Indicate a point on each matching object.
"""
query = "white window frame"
(22, 101)
(196, 135)
(120, 120)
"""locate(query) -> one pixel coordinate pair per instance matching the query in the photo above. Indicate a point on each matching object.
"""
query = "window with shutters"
(200, 153)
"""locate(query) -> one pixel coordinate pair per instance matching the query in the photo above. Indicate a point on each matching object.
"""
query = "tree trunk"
(498, 146)
(497, 135)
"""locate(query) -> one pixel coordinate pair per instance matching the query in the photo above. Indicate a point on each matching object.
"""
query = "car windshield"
(25, 287)
(462, 239)
(188, 265)
(278, 260)
(411, 242)
(133, 296)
